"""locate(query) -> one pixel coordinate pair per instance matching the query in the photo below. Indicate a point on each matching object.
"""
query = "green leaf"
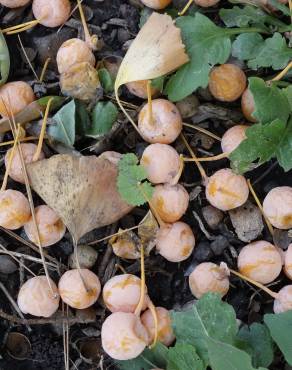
(158, 83)
(257, 336)
(280, 326)
(183, 357)
(131, 185)
(206, 45)
(284, 150)
(4, 60)
(104, 116)
(149, 359)
(56, 103)
(270, 101)
(272, 52)
(144, 15)
(283, 8)
(106, 80)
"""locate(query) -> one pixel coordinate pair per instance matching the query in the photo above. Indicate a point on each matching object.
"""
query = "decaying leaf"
(148, 228)
(156, 51)
(82, 190)
(126, 245)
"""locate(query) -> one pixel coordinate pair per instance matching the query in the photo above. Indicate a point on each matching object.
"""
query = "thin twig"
(27, 59)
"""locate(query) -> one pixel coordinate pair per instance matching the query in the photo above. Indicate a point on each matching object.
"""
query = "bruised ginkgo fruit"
(260, 261)
(283, 302)
(165, 332)
(28, 151)
(79, 288)
(52, 13)
(122, 293)
(156, 4)
(277, 207)
(175, 242)
(170, 201)
(226, 190)
(14, 3)
(248, 105)
(232, 138)
(50, 226)
(288, 262)
(227, 82)
(73, 51)
(162, 163)
(162, 126)
(206, 3)
(14, 97)
(14, 209)
(208, 277)
(38, 298)
(123, 336)
(139, 88)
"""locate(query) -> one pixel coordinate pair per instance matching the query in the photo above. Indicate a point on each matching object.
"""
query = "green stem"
(285, 29)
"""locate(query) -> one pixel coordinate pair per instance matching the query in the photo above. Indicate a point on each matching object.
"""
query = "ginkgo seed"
(14, 3)
(288, 262)
(51, 13)
(248, 105)
(14, 97)
(156, 4)
(283, 302)
(206, 3)
(232, 138)
(139, 88)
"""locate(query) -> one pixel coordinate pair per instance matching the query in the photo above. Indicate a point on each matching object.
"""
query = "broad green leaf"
(270, 101)
(283, 8)
(106, 80)
(206, 45)
(104, 116)
(56, 103)
(271, 52)
(183, 356)
(288, 92)
(257, 336)
(284, 150)
(4, 60)
(280, 326)
(149, 359)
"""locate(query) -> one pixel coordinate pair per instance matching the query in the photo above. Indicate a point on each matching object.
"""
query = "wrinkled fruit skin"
(284, 301)
(51, 228)
(52, 13)
(260, 261)
(15, 96)
(248, 106)
(156, 4)
(165, 332)
(227, 82)
(165, 125)
(161, 162)
(288, 262)
(277, 207)
(232, 138)
(72, 289)
(206, 3)
(123, 336)
(80, 81)
(28, 151)
(74, 51)
(87, 257)
(208, 277)
(36, 298)
(139, 89)
(225, 190)
(122, 293)
(14, 3)
(175, 242)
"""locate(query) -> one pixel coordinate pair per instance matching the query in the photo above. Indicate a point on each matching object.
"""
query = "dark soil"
(116, 22)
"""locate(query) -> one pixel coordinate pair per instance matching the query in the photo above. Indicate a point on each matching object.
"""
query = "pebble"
(202, 252)
(219, 245)
(188, 106)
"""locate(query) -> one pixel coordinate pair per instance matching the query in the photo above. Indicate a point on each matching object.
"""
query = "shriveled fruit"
(51, 228)
(28, 150)
(74, 51)
(14, 3)
(122, 293)
(170, 201)
(227, 82)
(208, 277)
(260, 261)
(225, 190)
(288, 262)
(52, 13)
(175, 242)
(165, 332)
(14, 209)
(14, 97)
(86, 255)
(277, 207)
(206, 3)
(125, 246)
(163, 126)
(139, 88)
(232, 138)
(123, 336)
(248, 106)
(79, 291)
(283, 302)
(36, 297)
(161, 162)
(156, 4)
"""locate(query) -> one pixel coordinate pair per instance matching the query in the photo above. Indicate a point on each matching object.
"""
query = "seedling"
(162, 123)
(232, 138)
(277, 207)
(139, 89)
(260, 261)
(208, 277)
(175, 242)
(79, 288)
(14, 3)
(38, 298)
(156, 4)
(288, 262)
(122, 293)
(248, 106)
(165, 332)
(227, 82)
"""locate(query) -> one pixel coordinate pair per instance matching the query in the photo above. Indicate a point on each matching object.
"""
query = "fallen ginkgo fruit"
(232, 138)
(52, 13)
(288, 262)
(14, 3)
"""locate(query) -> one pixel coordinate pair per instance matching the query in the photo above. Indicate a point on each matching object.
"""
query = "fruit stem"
(175, 180)
(120, 267)
(112, 235)
(201, 129)
(282, 73)
(186, 7)
(20, 27)
(20, 140)
(75, 244)
(152, 208)
(44, 70)
(155, 318)
(142, 290)
(124, 110)
(259, 285)
(270, 227)
(207, 159)
(149, 97)
(91, 41)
